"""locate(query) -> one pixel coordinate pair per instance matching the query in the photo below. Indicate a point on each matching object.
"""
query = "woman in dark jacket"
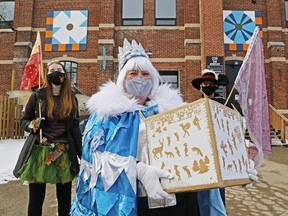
(50, 152)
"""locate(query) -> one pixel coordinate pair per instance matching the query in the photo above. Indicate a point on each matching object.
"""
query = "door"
(232, 68)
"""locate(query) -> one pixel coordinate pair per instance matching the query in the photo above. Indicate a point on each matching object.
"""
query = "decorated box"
(201, 143)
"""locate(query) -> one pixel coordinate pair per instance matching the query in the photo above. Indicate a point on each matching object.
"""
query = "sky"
(9, 152)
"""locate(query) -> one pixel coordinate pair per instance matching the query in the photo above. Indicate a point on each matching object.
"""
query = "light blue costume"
(103, 157)
(106, 184)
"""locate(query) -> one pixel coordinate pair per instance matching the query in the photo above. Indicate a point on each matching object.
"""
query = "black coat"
(73, 132)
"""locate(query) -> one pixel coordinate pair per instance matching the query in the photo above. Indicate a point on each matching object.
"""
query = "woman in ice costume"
(114, 168)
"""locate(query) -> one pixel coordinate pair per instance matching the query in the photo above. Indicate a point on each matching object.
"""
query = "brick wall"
(199, 33)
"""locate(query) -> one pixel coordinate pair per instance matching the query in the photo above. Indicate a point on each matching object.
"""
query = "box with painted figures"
(201, 143)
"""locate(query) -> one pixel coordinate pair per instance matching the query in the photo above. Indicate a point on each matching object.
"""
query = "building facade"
(182, 37)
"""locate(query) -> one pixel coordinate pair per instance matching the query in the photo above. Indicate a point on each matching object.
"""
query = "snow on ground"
(9, 152)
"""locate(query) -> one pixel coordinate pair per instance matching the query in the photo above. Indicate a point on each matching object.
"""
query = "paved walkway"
(268, 196)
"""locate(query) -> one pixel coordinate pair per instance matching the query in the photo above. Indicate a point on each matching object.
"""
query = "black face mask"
(57, 77)
(209, 90)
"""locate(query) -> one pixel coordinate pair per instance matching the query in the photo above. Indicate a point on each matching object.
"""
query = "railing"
(10, 115)
(278, 122)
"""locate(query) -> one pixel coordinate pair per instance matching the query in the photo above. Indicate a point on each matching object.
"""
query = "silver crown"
(129, 51)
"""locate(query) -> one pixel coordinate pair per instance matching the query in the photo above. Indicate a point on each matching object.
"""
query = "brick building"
(181, 36)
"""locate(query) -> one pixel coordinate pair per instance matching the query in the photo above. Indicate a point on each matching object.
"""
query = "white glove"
(149, 176)
(252, 173)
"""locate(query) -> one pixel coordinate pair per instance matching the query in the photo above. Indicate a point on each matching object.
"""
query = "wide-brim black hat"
(209, 75)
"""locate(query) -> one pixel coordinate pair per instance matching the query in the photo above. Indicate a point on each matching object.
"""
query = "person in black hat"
(208, 83)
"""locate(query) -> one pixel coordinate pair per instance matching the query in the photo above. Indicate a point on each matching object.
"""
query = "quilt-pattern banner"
(239, 27)
(66, 30)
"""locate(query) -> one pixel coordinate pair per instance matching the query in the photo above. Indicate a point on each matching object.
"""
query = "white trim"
(273, 28)
(106, 41)
(192, 25)
(162, 60)
(276, 59)
(108, 58)
(106, 25)
(27, 43)
(5, 62)
(24, 29)
(20, 60)
(192, 41)
(94, 60)
(158, 60)
(233, 57)
(111, 25)
(167, 60)
(38, 29)
(274, 43)
(8, 30)
(149, 28)
(93, 28)
(193, 58)
(67, 58)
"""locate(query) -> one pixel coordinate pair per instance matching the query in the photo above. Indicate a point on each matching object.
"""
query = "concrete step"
(276, 142)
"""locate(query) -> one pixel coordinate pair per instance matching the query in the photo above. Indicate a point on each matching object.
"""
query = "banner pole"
(12, 79)
(230, 94)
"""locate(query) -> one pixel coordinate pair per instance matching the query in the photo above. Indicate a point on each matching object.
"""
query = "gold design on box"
(202, 144)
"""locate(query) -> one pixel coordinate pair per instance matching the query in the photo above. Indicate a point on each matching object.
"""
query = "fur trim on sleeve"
(110, 101)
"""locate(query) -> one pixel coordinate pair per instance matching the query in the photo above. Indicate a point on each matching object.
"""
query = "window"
(71, 68)
(132, 12)
(6, 14)
(170, 77)
(286, 12)
(165, 12)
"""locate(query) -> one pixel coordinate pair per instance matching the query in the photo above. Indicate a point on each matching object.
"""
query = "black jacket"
(73, 132)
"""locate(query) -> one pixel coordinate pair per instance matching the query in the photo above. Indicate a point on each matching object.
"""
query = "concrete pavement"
(268, 196)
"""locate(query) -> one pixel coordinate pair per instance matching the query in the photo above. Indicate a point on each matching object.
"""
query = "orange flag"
(32, 76)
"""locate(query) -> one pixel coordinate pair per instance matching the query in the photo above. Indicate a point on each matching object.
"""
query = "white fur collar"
(110, 101)
(166, 98)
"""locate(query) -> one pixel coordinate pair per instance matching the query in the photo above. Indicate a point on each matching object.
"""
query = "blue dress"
(106, 184)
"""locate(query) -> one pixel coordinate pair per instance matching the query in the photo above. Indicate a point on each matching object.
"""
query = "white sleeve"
(142, 154)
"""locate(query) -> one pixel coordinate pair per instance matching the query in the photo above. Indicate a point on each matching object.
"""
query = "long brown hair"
(68, 105)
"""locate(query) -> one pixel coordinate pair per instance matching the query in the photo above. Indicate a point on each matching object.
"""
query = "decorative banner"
(202, 144)
(32, 76)
(253, 99)
(66, 30)
(239, 27)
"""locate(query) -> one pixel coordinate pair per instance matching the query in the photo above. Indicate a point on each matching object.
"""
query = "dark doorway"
(232, 67)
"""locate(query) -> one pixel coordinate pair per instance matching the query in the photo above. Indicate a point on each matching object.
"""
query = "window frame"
(72, 75)
(175, 85)
(159, 20)
(4, 22)
(125, 21)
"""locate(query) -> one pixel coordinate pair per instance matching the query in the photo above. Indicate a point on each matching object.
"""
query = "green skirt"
(41, 168)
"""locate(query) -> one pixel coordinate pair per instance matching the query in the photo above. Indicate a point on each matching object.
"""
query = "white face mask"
(139, 86)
